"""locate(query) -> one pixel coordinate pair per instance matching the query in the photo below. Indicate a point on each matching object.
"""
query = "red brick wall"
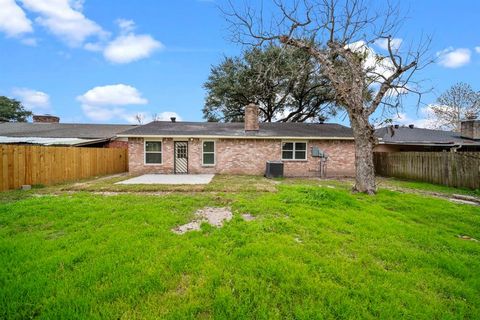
(247, 156)
(117, 144)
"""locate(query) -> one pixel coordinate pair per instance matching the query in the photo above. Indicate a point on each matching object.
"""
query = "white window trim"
(295, 141)
(214, 154)
(145, 151)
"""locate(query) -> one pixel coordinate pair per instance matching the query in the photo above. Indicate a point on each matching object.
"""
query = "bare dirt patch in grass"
(248, 217)
(82, 184)
(465, 237)
(210, 215)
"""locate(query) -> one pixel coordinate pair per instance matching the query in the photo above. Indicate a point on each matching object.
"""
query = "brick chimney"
(251, 117)
(45, 119)
(470, 129)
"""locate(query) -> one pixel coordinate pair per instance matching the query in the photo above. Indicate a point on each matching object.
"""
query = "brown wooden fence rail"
(454, 169)
(48, 165)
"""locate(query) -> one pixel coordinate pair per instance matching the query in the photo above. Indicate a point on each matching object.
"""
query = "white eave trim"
(234, 137)
(50, 141)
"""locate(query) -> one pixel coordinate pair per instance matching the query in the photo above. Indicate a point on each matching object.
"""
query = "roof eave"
(439, 144)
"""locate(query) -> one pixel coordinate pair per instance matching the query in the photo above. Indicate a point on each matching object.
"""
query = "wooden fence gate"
(48, 165)
(454, 169)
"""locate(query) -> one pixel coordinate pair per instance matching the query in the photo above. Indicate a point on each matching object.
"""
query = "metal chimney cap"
(173, 119)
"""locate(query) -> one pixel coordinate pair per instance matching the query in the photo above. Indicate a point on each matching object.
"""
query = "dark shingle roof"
(406, 135)
(62, 130)
(236, 129)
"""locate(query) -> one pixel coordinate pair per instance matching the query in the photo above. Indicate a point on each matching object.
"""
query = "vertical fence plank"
(4, 166)
(48, 165)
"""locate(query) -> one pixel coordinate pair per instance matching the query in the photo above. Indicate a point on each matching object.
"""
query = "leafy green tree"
(284, 82)
(13, 110)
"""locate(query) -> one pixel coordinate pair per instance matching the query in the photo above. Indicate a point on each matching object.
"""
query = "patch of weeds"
(319, 197)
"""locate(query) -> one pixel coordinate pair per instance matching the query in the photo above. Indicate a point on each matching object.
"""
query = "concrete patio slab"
(170, 179)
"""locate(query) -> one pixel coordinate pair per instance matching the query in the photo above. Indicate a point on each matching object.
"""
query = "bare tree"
(457, 103)
(139, 118)
(155, 117)
(339, 34)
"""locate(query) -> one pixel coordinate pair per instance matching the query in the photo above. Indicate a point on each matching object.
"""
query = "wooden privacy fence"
(454, 169)
(48, 165)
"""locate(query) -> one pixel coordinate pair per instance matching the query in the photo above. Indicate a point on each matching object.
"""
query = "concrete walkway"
(170, 179)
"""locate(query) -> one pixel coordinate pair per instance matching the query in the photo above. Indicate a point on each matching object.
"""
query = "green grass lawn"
(425, 186)
(313, 252)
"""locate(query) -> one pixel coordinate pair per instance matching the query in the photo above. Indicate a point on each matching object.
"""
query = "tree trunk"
(364, 136)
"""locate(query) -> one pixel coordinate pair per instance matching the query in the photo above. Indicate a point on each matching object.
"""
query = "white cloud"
(104, 103)
(394, 43)
(13, 20)
(128, 46)
(65, 20)
(477, 49)
(126, 26)
(112, 95)
(424, 119)
(34, 100)
(454, 58)
(377, 66)
(393, 92)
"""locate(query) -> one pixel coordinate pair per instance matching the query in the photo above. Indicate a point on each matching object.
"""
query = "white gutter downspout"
(456, 147)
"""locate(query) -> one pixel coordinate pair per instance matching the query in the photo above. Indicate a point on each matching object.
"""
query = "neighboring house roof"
(62, 130)
(59, 133)
(420, 136)
(237, 130)
(50, 141)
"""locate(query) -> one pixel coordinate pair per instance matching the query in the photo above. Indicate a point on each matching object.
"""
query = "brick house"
(239, 148)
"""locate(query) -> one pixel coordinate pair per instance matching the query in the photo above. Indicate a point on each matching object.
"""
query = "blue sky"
(105, 61)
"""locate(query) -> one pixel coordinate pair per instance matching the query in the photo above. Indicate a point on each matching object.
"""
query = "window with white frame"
(153, 152)
(208, 153)
(292, 150)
